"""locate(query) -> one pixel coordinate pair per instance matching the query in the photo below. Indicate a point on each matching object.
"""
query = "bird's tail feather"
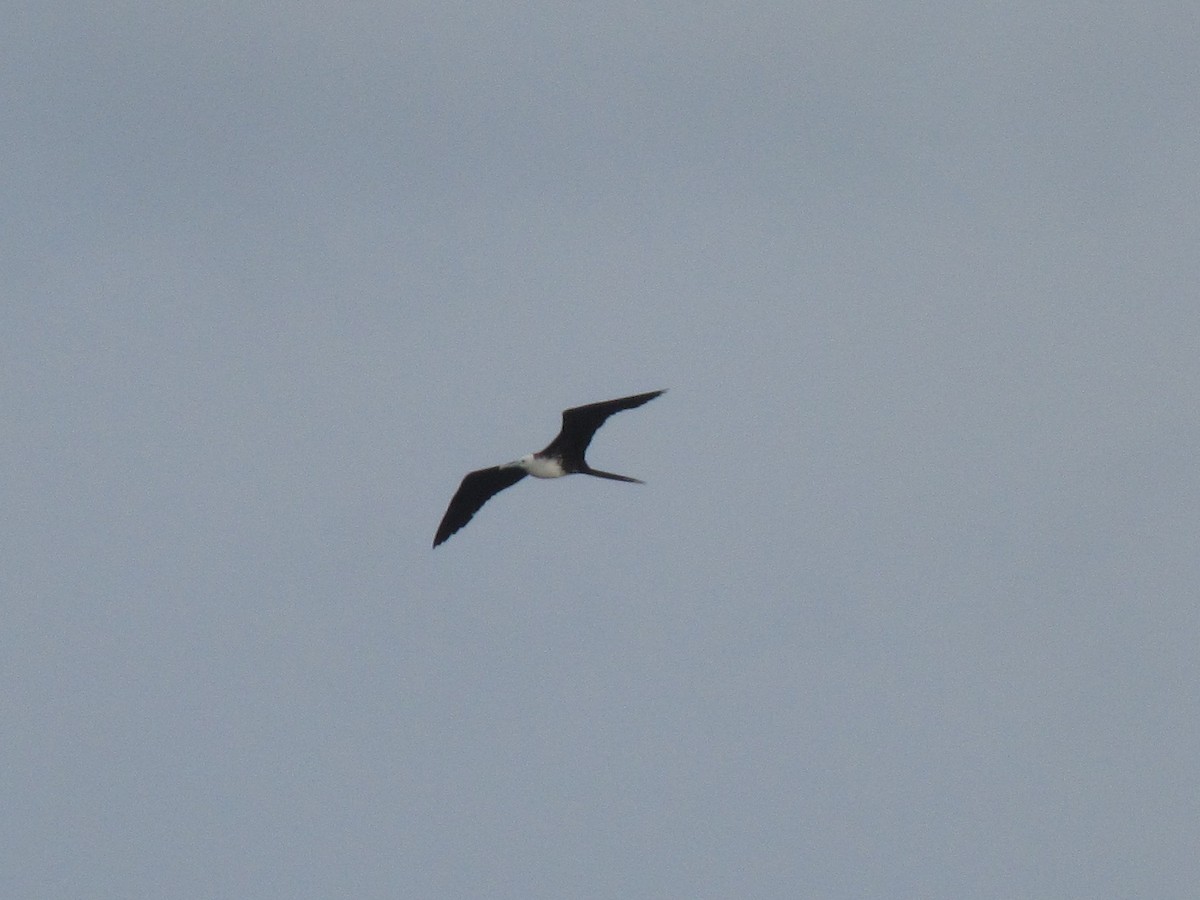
(590, 471)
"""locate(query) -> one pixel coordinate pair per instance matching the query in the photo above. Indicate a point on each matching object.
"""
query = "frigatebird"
(562, 456)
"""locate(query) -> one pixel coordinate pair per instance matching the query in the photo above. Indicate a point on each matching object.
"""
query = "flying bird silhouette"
(562, 456)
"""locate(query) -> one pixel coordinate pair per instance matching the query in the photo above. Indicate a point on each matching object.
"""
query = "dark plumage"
(562, 456)
(477, 488)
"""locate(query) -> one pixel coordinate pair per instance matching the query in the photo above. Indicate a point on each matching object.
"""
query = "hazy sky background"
(908, 604)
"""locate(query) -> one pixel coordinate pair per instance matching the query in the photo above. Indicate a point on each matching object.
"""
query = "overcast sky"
(908, 607)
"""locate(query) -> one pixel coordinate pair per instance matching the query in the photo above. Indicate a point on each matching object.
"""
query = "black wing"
(580, 424)
(476, 489)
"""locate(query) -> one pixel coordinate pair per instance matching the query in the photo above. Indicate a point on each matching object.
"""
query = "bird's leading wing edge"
(477, 488)
(580, 423)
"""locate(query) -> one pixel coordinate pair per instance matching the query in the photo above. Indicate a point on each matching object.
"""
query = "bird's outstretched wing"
(581, 422)
(477, 488)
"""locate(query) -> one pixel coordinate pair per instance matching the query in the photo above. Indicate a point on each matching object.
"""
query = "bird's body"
(541, 466)
(562, 456)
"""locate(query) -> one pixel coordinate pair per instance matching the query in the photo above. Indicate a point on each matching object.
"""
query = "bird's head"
(523, 463)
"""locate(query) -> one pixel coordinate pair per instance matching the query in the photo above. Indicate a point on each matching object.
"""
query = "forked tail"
(590, 471)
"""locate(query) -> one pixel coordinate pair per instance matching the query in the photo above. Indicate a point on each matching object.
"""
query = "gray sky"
(908, 604)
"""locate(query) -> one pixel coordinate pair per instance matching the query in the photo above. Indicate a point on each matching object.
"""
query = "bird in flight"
(562, 456)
